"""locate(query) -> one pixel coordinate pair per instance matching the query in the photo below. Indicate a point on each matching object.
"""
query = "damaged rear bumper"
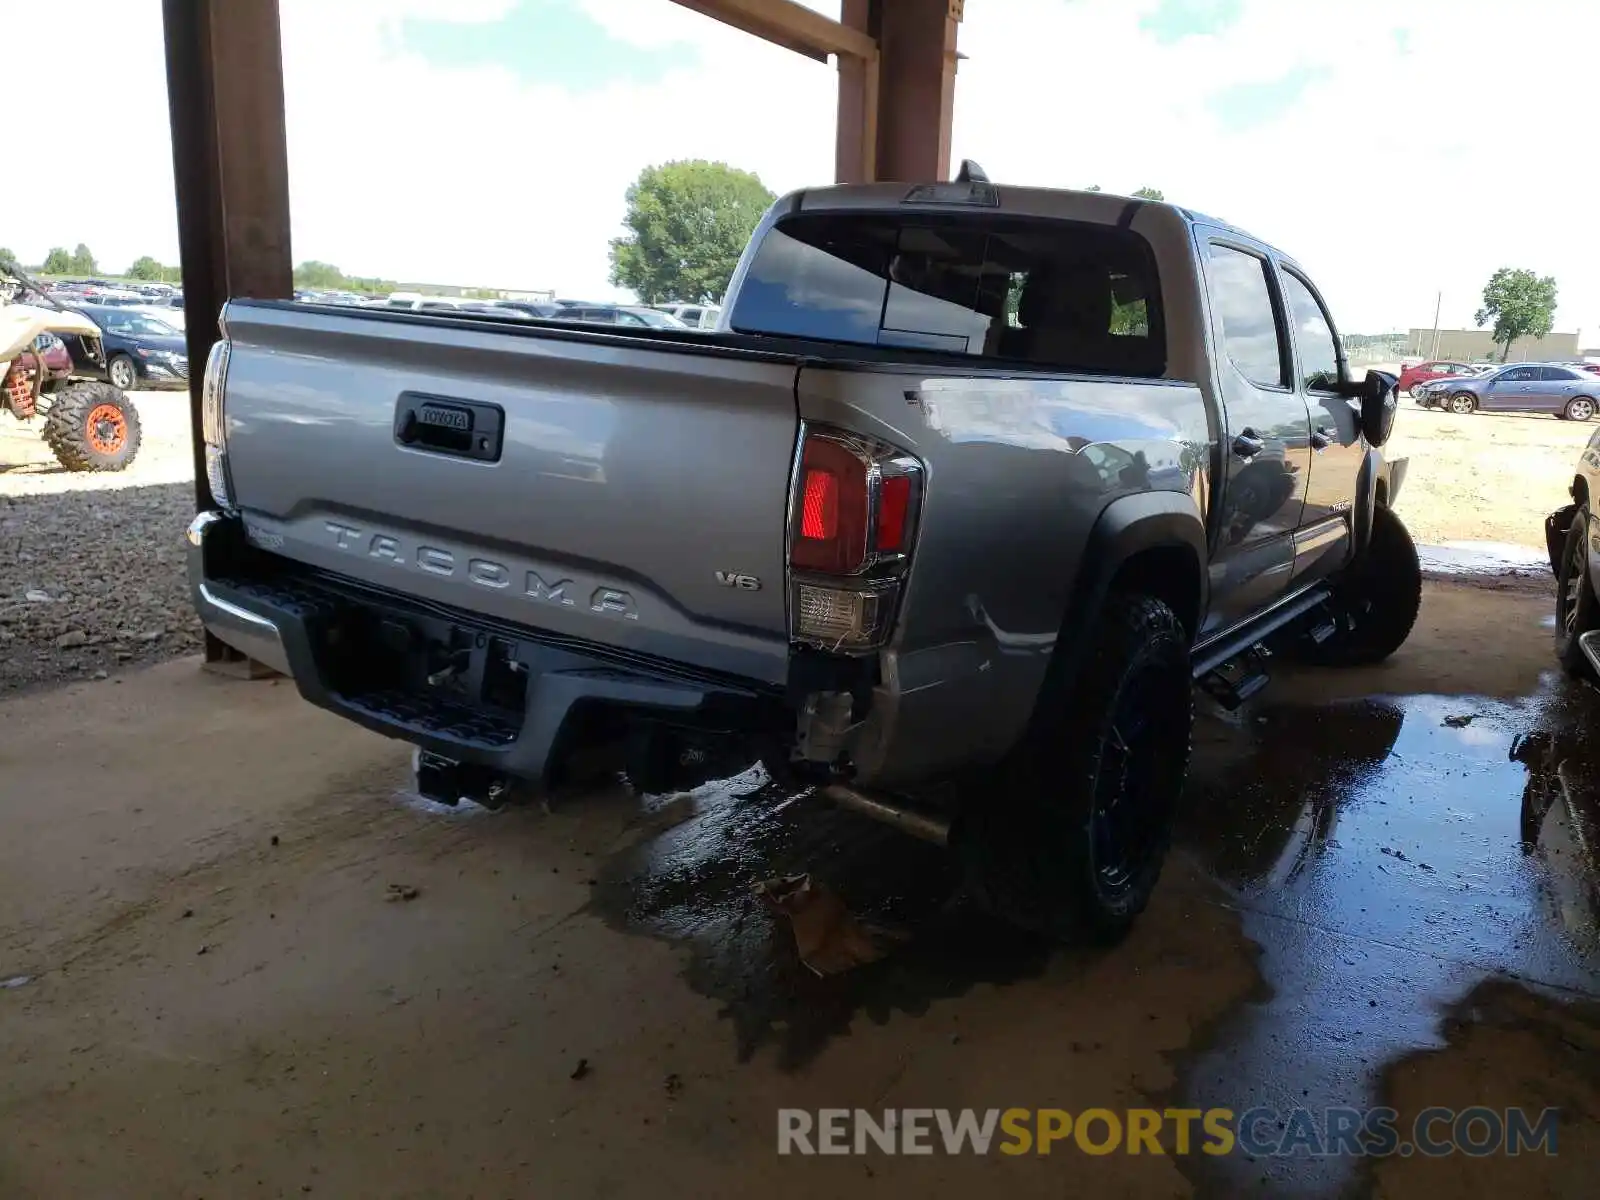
(508, 699)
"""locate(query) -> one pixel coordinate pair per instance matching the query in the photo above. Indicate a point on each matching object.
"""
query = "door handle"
(1248, 444)
(1321, 439)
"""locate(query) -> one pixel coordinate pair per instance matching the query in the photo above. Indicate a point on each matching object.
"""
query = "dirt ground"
(91, 565)
(1484, 477)
(249, 967)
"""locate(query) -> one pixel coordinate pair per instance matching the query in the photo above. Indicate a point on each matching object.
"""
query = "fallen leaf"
(830, 939)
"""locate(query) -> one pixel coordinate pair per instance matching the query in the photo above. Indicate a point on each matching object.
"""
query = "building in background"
(1478, 345)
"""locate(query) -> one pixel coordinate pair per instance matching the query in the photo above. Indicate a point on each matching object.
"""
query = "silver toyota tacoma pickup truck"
(971, 487)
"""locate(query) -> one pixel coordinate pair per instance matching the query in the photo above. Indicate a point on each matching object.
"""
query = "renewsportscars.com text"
(1259, 1132)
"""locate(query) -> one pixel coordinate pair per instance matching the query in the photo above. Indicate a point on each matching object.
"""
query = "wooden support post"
(895, 109)
(231, 171)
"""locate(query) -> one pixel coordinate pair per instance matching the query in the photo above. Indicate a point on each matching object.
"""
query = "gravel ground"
(91, 566)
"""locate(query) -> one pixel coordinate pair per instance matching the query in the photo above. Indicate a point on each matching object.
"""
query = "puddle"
(1484, 558)
(693, 884)
(1388, 856)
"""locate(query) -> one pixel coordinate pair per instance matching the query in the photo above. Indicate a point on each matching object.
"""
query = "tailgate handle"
(444, 425)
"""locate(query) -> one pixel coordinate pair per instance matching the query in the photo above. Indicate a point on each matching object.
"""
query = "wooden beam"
(791, 25)
(916, 88)
(896, 109)
(230, 166)
(856, 140)
(231, 170)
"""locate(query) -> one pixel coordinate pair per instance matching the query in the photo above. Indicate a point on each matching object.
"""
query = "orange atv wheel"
(92, 426)
(107, 429)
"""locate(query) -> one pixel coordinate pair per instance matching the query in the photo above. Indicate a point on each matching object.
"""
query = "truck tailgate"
(637, 498)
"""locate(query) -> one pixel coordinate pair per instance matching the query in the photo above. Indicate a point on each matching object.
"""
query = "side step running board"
(1235, 668)
(1214, 654)
(1589, 643)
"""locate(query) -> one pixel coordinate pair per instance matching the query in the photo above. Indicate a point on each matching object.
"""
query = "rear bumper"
(508, 699)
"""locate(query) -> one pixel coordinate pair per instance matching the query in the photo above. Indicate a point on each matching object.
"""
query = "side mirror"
(1379, 396)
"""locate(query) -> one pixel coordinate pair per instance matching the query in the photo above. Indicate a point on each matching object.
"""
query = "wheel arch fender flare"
(1163, 530)
(1365, 501)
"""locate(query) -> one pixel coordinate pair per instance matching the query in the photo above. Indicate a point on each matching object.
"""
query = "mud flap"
(1556, 527)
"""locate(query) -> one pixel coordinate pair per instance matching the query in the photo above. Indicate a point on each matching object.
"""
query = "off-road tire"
(1376, 599)
(1577, 610)
(92, 427)
(1033, 838)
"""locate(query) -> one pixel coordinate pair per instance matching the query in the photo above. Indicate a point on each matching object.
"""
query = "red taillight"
(832, 532)
(894, 504)
(819, 512)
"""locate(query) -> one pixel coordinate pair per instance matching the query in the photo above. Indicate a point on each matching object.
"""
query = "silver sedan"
(1569, 392)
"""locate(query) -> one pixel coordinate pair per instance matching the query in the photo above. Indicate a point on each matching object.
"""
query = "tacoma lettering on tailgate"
(484, 572)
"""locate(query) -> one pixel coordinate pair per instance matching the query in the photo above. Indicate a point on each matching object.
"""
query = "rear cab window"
(1063, 295)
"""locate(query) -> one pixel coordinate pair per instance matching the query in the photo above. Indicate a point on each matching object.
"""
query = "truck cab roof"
(1042, 203)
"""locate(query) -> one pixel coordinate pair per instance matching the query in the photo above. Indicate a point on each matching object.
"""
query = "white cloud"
(1401, 170)
(417, 171)
(1396, 175)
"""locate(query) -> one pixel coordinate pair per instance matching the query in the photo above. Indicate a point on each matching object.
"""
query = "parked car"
(695, 316)
(944, 524)
(141, 350)
(530, 308)
(1412, 378)
(618, 314)
(1520, 387)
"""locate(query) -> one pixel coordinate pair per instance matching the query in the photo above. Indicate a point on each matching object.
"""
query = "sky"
(1397, 148)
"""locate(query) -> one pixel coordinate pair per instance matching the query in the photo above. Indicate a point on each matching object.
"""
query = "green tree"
(687, 225)
(1520, 304)
(57, 262)
(83, 261)
(314, 274)
(6, 256)
(1149, 193)
(147, 268)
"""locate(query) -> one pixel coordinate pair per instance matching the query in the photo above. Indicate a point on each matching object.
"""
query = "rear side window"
(1242, 296)
(1059, 294)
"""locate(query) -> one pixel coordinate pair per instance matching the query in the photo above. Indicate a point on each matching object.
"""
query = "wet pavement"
(694, 884)
(1388, 855)
(1383, 890)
